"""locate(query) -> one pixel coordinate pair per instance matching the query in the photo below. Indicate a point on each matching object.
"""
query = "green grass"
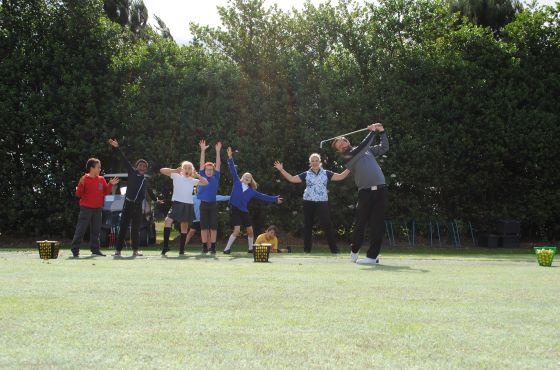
(443, 309)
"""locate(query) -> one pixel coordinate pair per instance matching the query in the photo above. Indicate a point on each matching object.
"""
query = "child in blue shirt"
(244, 189)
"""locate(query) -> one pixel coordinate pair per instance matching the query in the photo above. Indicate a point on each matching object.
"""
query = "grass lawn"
(443, 309)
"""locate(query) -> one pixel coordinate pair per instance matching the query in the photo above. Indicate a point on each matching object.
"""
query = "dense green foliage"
(472, 118)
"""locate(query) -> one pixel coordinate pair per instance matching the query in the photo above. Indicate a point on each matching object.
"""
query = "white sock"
(250, 242)
(230, 242)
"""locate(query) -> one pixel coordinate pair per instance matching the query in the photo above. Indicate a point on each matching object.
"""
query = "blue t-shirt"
(208, 193)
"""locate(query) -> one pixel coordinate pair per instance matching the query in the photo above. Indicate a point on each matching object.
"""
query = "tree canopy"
(472, 118)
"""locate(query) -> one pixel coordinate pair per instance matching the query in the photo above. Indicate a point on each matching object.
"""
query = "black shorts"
(240, 218)
(208, 215)
(181, 212)
(195, 226)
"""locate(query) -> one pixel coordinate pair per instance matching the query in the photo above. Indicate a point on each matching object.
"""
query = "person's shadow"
(393, 268)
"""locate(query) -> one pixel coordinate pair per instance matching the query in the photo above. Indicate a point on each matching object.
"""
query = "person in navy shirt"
(315, 199)
(244, 189)
(207, 196)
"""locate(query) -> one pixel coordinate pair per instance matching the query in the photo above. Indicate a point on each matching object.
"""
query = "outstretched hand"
(218, 146)
(114, 181)
(229, 152)
(279, 166)
(202, 145)
(114, 143)
(280, 200)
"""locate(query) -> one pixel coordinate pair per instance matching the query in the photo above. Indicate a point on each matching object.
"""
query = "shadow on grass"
(189, 257)
(87, 258)
(393, 268)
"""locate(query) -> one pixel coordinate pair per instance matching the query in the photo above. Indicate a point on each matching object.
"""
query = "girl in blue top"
(244, 189)
(315, 198)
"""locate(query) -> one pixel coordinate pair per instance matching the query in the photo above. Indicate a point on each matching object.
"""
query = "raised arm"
(231, 165)
(383, 146)
(218, 148)
(340, 176)
(203, 147)
(364, 145)
(168, 171)
(291, 178)
(115, 145)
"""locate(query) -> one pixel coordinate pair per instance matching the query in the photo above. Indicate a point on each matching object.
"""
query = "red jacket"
(92, 191)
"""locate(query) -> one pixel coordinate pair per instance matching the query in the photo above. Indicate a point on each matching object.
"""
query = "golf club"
(349, 133)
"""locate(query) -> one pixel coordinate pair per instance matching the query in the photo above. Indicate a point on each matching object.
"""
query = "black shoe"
(250, 251)
(98, 254)
(213, 250)
(227, 251)
(205, 249)
(75, 255)
(164, 251)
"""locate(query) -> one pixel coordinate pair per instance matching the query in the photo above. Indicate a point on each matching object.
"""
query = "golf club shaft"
(348, 133)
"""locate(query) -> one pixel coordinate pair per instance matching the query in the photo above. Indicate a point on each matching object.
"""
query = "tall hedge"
(472, 118)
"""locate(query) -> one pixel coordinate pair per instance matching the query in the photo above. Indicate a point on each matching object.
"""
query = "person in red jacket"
(91, 190)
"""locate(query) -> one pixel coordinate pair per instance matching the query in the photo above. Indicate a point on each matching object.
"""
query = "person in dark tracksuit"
(372, 190)
(137, 187)
(315, 199)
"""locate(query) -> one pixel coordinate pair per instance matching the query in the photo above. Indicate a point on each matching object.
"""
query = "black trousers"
(371, 209)
(132, 212)
(321, 209)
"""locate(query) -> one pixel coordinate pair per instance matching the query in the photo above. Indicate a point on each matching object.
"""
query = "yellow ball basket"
(545, 255)
(261, 252)
(48, 249)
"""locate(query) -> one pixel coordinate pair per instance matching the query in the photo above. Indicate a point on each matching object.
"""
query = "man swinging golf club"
(372, 190)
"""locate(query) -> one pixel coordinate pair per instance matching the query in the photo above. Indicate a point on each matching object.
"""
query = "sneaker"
(205, 249)
(137, 254)
(227, 251)
(368, 261)
(181, 253)
(164, 251)
(353, 257)
(213, 250)
(75, 255)
(98, 254)
(249, 251)
(117, 254)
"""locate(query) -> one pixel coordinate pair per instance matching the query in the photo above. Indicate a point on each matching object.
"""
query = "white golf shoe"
(353, 257)
(368, 261)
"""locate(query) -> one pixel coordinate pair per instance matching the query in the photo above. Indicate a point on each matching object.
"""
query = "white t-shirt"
(183, 188)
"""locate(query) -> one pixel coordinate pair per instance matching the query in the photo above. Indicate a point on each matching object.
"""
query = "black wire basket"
(261, 252)
(48, 249)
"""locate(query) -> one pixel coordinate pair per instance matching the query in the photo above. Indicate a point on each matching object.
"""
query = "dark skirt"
(181, 212)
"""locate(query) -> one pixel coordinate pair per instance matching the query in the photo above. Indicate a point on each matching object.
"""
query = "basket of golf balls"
(261, 252)
(545, 255)
(48, 249)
